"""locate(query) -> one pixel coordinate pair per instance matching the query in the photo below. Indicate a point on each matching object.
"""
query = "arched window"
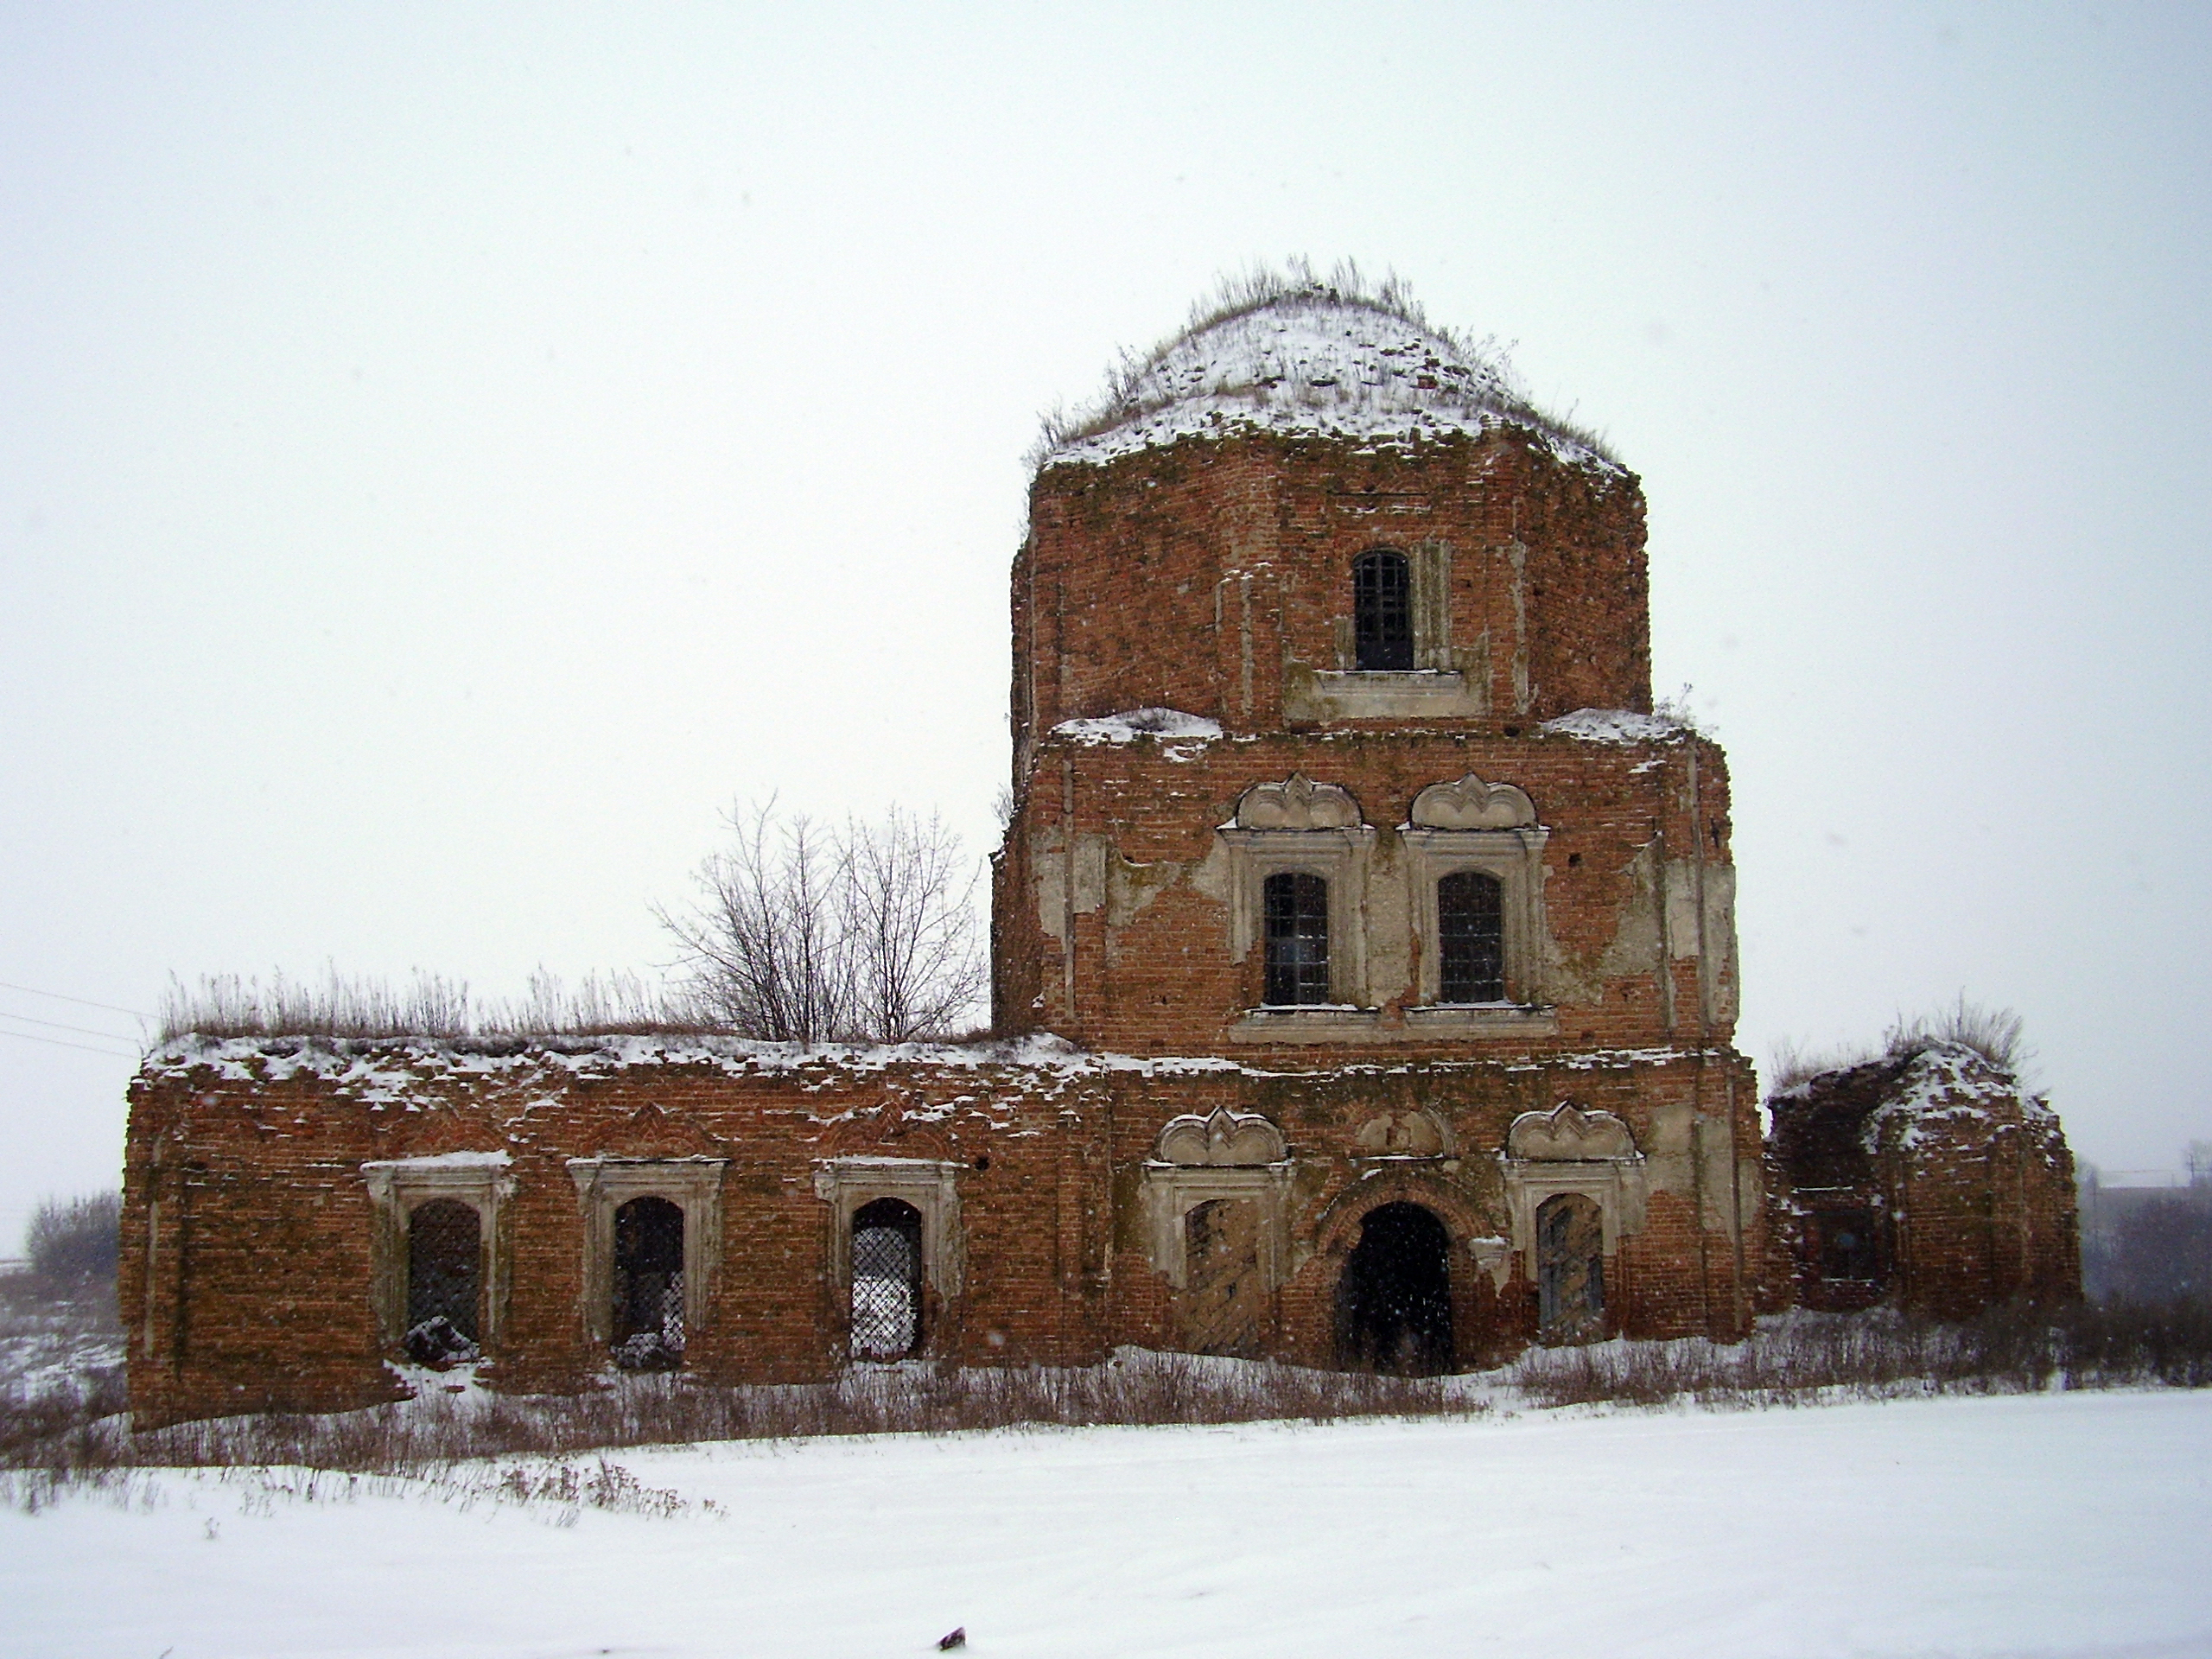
(1382, 610)
(887, 1280)
(444, 1250)
(648, 1326)
(1570, 1266)
(1297, 907)
(1393, 1298)
(1471, 935)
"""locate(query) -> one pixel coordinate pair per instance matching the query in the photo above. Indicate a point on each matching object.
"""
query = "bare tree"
(909, 927)
(799, 936)
(761, 943)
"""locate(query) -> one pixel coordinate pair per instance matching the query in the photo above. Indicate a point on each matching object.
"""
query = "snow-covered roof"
(1312, 359)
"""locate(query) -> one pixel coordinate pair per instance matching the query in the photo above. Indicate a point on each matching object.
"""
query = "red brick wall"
(261, 1293)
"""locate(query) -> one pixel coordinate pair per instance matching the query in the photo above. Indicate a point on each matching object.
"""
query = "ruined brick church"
(1364, 990)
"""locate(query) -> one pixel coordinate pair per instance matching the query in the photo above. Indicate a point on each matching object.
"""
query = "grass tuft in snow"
(431, 1006)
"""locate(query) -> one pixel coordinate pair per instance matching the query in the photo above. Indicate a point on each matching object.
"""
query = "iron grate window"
(1297, 907)
(887, 1280)
(444, 1250)
(649, 1285)
(1382, 610)
(1470, 928)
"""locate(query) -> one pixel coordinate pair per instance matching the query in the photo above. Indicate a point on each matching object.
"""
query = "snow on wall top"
(1313, 361)
(1949, 1089)
(1621, 726)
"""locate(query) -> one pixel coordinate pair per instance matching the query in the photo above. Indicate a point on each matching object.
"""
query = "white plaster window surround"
(1567, 1149)
(692, 1184)
(1434, 688)
(1238, 1156)
(930, 1184)
(1299, 827)
(1491, 828)
(398, 1187)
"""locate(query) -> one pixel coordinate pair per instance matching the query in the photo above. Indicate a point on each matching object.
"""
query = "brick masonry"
(1133, 1075)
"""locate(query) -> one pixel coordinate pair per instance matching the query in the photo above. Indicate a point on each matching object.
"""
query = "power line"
(113, 1054)
(83, 1031)
(32, 990)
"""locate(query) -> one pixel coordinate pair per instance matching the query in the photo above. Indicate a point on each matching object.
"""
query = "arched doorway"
(1394, 1299)
(1570, 1267)
(649, 1285)
(444, 1253)
(887, 1280)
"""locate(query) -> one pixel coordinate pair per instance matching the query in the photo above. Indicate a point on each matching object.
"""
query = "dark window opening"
(1844, 1246)
(887, 1280)
(1297, 907)
(444, 1250)
(1393, 1298)
(1382, 610)
(1570, 1268)
(1471, 929)
(649, 1285)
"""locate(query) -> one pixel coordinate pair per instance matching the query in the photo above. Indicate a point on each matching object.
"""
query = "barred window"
(444, 1253)
(887, 1280)
(1297, 907)
(1471, 925)
(1382, 610)
(649, 1285)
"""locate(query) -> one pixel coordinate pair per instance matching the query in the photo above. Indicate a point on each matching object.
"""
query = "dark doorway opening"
(649, 1285)
(1570, 1268)
(1394, 1301)
(887, 1280)
(444, 1251)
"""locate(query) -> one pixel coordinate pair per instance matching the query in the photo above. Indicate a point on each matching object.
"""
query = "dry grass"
(1996, 1034)
(1808, 1358)
(431, 1006)
(65, 1432)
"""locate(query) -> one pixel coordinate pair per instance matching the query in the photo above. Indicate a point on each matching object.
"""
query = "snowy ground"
(2056, 1524)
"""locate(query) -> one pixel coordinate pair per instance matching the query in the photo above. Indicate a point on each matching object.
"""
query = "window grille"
(1570, 1266)
(887, 1280)
(1470, 926)
(649, 1285)
(444, 1253)
(1297, 909)
(1382, 610)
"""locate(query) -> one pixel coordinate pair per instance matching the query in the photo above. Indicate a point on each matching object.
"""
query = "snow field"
(2052, 1525)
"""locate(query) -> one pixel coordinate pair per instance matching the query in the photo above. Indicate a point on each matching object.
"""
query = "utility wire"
(82, 1031)
(32, 990)
(113, 1054)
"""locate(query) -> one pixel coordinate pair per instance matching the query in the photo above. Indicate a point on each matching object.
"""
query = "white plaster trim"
(1340, 857)
(1593, 1154)
(605, 1185)
(931, 1185)
(1515, 858)
(1320, 694)
(1310, 1025)
(1239, 1156)
(399, 1186)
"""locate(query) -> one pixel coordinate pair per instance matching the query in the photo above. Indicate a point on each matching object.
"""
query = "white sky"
(449, 453)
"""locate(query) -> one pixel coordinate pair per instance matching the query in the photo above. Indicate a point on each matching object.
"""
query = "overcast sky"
(448, 454)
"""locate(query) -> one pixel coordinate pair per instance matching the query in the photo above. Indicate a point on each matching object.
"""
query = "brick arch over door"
(1309, 1301)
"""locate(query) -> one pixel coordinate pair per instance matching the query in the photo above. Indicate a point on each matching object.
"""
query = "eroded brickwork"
(1161, 1146)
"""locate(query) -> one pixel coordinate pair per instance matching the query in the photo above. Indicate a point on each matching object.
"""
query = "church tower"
(1332, 724)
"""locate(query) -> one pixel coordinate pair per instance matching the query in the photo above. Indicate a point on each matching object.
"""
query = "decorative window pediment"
(1471, 803)
(1238, 1156)
(1473, 826)
(1297, 803)
(1299, 827)
(1226, 1139)
(1571, 1149)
